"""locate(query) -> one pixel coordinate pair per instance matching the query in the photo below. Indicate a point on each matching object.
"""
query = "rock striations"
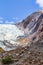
(30, 50)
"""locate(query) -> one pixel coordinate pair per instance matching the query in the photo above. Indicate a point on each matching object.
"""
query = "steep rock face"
(31, 23)
(32, 27)
(25, 32)
(32, 54)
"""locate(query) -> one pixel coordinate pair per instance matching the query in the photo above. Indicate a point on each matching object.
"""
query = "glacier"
(8, 36)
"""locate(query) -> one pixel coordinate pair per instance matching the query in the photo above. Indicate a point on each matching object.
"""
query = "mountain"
(21, 34)
(31, 23)
(32, 27)
(29, 50)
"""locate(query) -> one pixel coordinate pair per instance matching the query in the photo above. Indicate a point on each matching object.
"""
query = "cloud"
(1, 21)
(1, 18)
(15, 18)
(9, 22)
(40, 3)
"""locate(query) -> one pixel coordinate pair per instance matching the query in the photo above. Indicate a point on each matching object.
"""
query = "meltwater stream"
(8, 36)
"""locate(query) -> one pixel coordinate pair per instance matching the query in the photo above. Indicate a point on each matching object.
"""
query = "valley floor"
(26, 55)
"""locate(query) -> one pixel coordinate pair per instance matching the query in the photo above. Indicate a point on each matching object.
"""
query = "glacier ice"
(10, 33)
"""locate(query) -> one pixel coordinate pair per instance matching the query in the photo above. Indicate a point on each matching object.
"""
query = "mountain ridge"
(32, 26)
(29, 50)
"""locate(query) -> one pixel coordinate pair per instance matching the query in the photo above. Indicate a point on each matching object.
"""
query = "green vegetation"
(7, 60)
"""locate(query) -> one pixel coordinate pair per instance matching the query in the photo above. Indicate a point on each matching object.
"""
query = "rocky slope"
(32, 27)
(32, 23)
(30, 50)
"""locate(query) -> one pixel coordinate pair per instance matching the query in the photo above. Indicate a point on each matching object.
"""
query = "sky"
(16, 10)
